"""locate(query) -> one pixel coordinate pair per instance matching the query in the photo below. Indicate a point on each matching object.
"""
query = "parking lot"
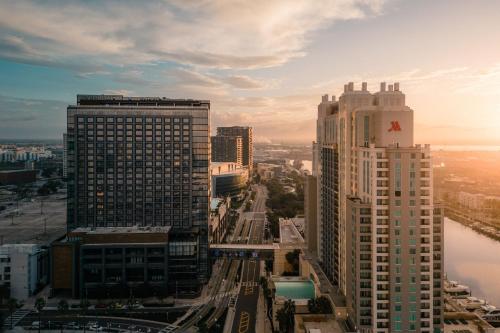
(40, 220)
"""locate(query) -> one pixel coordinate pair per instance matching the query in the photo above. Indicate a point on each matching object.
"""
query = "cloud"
(243, 82)
(215, 34)
(185, 78)
(123, 92)
(22, 118)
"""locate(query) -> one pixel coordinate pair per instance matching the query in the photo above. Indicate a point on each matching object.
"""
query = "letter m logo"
(394, 127)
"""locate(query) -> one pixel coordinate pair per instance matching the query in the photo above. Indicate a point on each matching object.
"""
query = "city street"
(246, 305)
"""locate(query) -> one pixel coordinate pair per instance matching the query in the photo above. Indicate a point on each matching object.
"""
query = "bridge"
(249, 251)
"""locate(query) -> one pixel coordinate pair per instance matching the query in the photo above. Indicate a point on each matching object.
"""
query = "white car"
(94, 326)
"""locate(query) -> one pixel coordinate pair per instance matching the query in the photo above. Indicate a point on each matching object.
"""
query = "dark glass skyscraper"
(246, 134)
(143, 161)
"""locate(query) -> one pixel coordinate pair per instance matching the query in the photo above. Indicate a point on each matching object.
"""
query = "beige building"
(379, 233)
(310, 214)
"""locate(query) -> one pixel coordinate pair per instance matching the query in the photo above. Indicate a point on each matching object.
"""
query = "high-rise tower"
(227, 149)
(379, 231)
(246, 133)
(143, 161)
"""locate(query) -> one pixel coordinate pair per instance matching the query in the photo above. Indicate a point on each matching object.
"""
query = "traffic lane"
(246, 306)
(116, 323)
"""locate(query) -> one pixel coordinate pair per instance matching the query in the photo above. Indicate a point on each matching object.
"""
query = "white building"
(470, 200)
(379, 232)
(22, 268)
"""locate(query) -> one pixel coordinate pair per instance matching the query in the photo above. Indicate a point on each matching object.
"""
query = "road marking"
(244, 321)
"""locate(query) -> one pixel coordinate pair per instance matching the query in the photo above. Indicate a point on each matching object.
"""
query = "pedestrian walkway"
(16, 317)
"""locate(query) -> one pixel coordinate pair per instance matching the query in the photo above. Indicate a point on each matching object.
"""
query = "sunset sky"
(261, 63)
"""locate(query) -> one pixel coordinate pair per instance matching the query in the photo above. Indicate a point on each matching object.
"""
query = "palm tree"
(289, 308)
(39, 305)
(12, 304)
(62, 306)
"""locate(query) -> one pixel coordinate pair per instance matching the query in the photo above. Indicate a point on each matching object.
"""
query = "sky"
(261, 63)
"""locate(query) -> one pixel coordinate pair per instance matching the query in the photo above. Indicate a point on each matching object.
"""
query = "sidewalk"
(262, 322)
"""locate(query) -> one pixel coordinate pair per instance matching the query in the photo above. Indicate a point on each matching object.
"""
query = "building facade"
(246, 134)
(379, 232)
(17, 177)
(227, 149)
(228, 179)
(310, 214)
(113, 262)
(24, 269)
(143, 161)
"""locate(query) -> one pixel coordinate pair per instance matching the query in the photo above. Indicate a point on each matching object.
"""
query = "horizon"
(266, 72)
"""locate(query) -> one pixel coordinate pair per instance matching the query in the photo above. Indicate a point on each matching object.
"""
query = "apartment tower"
(227, 149)
(143, 161)
(379, 231)
(246, 134)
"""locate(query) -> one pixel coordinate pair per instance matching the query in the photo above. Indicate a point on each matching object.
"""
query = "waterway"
(472, 259)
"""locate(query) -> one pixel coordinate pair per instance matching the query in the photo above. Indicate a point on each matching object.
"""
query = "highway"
(246, 305)
(219, 296)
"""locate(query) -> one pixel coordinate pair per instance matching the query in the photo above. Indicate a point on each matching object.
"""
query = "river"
(472, 259)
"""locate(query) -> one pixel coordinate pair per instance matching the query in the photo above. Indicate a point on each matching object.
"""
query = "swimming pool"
(295, 289)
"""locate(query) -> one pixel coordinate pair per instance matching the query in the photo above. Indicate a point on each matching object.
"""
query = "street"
(246, 306)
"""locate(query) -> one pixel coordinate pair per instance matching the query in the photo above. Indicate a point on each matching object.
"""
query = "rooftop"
(120, 100)
(123, 230)
(289, 233)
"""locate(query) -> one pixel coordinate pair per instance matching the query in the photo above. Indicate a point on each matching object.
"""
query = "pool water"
(295, 289)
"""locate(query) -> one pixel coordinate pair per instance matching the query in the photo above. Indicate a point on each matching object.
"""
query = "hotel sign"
(394, 127)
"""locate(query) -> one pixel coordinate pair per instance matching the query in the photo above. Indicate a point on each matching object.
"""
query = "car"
(94, 326)
(35, 325)
(72, 326)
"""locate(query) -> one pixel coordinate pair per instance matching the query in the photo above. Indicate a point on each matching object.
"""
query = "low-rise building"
(290, 240)
(114, 262)
(219, 219)
(228, 178)
(471, 200)
(23, 269)
(267, 171)
(17, 177)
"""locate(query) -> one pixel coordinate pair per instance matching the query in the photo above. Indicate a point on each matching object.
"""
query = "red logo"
(394, 127)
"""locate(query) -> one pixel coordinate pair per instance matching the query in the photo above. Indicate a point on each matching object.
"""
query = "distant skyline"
(262, 63)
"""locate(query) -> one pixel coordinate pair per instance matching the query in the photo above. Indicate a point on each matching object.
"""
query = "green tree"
(319, 305)
(47, 172)
(284, 316)
(293, 259)
(12, 304)
(202, 327)
(63, 307)
(39, 305)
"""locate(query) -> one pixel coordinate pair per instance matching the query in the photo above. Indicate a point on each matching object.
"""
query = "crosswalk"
(225, 294)
(249, 284)
(169, 328)
(16, 318)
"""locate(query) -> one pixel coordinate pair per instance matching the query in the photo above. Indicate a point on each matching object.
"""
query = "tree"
(39, 305)
(47, 172)
(43, 191)
(293, 259)
(12, 304)
(319, 305)
(284, 316)
(62, 306)
(202, 327)
(84, 305)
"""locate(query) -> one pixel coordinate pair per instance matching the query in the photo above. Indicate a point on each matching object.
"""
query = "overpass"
(248, 251)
